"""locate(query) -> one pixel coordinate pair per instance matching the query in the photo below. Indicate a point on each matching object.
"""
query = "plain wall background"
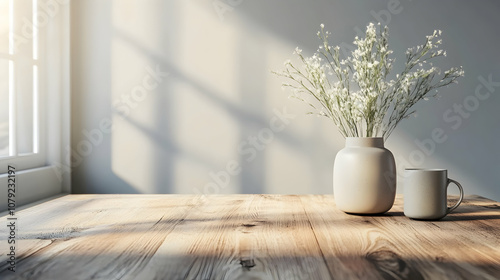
(168, 135)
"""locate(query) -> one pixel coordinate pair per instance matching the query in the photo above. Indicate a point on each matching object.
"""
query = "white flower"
(322, 26)
(355, 87)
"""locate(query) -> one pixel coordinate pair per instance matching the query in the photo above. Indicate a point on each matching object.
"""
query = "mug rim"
(426, 169)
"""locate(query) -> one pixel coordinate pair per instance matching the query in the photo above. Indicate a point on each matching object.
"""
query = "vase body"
(364, 176)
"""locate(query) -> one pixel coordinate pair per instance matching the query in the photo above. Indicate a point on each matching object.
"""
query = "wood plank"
(241, 237)
(397, 247)
(98, 237)
(248, 237)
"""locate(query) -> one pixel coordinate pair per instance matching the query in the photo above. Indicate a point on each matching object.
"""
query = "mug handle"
(461, 195)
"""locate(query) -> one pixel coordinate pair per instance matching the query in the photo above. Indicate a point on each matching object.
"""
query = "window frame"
(47, 173)
(38, 156)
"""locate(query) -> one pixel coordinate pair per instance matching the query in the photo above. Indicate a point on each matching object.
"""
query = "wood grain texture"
(247, 237)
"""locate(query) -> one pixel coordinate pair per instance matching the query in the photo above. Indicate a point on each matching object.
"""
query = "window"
(34, 97)
(21, 94)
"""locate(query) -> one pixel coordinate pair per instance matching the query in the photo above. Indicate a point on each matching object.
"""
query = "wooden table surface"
(247, 237)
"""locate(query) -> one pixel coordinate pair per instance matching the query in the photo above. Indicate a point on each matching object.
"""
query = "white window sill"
(31, 185)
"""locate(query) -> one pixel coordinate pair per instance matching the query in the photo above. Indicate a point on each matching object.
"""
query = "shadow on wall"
(189, 105)
(194, 108)
(465, 116)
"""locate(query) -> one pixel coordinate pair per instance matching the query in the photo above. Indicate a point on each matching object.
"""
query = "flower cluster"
(356, 93)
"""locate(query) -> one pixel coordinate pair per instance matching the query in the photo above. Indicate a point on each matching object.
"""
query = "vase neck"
(377, 142)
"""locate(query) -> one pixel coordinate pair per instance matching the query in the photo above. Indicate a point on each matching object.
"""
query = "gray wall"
(194, 129)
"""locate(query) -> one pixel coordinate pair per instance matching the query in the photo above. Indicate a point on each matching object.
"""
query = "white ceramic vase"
(364, 176)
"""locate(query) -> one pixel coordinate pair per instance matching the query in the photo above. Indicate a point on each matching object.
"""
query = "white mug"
(425, 193)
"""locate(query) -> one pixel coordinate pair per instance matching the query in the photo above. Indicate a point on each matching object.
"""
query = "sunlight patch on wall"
(282, 162)
(207, 98)
(138, 81)
(208, 51)
(307, 146)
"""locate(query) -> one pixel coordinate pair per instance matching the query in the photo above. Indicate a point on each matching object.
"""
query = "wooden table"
(247, 237)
